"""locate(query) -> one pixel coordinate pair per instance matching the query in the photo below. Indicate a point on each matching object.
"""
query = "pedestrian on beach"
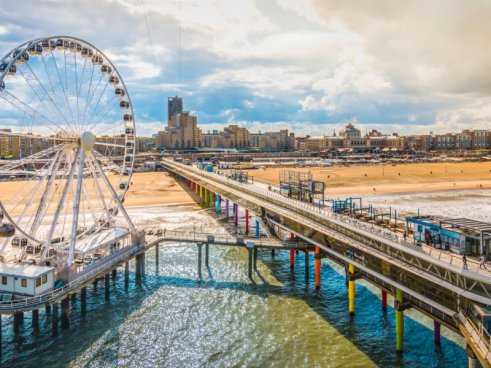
(464, 259)
(482, 262)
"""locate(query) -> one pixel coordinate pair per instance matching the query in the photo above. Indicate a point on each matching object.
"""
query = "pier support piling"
(114, 274)
(200, 245)
(236, 214)
(255, 259)
(226, 208)
(257, 229)
(247, 221)
(18, 319)
(249, 263)
(48, 309)
(306, 267)
(384, 300)
(207, 255)
(35, 318)
(399, 320)
(106, 287)
(126, 275)
(317, 268)
(54, 320)
(436, 332)
(65, 313)
(83, 302)
(272, 253)
(351, 290)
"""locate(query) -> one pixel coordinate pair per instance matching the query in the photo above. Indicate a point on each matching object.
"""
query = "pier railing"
(35, 301)
(451, 259)
(481, 337)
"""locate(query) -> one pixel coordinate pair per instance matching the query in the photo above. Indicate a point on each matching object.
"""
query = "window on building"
(45, 279)
(24, 282)
(38, 281)
(4, 280)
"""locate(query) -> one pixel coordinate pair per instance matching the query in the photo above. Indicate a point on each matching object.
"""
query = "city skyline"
(308, 66)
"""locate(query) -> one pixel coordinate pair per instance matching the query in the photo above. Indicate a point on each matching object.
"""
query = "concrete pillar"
(306, 267)
(114, 274)
(384, 300)
(436, 332)
(399, 321)
(351, 290)
(83, 301)
(226, 208)
(106, 286)
(48, 309)
(54, 320)
(247, 221)
(207, 254)
(200, 245)
(258, 234)
(65, 313)
(272, 253)
(95, 285)
(126, 275)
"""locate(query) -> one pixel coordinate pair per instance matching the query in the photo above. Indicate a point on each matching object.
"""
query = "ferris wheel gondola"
(78, 142)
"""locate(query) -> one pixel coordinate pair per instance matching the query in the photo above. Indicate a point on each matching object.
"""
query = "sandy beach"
(393, 178)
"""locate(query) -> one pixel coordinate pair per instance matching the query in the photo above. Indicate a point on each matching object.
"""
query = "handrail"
(57, 293)
(331, 216)
(480, 335)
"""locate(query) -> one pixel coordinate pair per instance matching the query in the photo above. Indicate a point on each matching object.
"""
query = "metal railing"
(451, 259)
(479, 334)
(34, 301)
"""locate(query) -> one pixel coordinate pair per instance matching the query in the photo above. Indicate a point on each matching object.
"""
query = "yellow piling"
(351, 291)
(399, 321)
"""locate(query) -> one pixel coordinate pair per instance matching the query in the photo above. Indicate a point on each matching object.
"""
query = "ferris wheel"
(72, 138)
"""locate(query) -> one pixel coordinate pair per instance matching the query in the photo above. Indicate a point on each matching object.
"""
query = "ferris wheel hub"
(87, 141)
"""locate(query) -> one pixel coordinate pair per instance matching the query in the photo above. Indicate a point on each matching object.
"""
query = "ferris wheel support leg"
(114, 194)
(68, 185)
(76, 208)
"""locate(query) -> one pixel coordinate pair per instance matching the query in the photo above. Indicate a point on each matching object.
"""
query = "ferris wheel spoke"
(79, 88)
(115, 196)
(76, 207)
(90, 97)
(61, 203)
(98, 187)
(38, 88)
(45, 198)
(32, 158)
(109, 144)
(29, 195)
(23, 107)
(89, 90)
(62, 87)
(96, 107)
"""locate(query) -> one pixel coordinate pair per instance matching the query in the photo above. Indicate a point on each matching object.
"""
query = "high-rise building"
(174, 106)
(181, 132)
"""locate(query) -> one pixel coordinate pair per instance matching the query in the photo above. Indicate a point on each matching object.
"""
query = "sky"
(411, 66)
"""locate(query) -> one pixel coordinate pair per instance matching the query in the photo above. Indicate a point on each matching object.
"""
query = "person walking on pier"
(464, 259)
(481, 262)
